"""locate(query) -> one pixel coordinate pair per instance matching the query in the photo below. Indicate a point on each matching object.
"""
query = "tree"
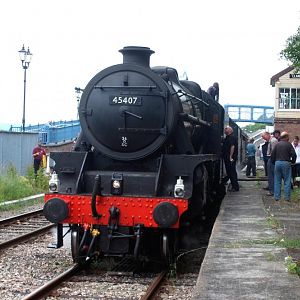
(292, 50)
(253, 127)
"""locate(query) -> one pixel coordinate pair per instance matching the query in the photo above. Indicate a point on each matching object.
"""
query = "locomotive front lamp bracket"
(179, 188)
(54, 183)
(116, 184)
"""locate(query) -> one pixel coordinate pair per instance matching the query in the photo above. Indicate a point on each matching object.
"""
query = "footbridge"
(250, 113)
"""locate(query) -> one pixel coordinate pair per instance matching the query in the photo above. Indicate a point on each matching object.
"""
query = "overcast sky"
(234, 42)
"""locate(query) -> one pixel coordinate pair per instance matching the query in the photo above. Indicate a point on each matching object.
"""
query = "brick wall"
(291, 125)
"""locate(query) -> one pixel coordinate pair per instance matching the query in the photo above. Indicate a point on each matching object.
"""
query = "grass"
(295, 195)
(13, 186)
(291, 265)
(259, 174)
(273, 222)
(270, 256)
(283, 243)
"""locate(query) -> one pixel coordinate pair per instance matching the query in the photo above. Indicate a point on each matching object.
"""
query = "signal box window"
(289, 98)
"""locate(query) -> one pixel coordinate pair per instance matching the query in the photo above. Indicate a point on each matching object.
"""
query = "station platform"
(243, 259)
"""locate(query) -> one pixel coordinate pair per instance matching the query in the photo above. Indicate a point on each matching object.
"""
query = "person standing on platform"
(282, 156)
(296, 166)
(251, 163)
(230, 153)
(276, 134)
(264, 149)
(266, 136)
(273, 140)
(37, 154)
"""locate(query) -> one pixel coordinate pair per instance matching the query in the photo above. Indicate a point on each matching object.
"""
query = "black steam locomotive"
(146, 162)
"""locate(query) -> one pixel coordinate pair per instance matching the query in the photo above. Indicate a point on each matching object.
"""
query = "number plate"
(125, 100)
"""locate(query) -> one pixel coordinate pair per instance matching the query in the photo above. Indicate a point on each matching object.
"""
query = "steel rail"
(25, 236)
(154, 286)
(51, 285)
(9, 202)
(21, 216)
(253, 179)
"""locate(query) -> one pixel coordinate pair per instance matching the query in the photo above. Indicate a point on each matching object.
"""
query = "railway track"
(53, 284)
(22, 227)
(153, 287)
(253, 179)
(67, 282)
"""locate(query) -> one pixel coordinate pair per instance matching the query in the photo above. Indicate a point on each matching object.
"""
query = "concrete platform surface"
(242, 261)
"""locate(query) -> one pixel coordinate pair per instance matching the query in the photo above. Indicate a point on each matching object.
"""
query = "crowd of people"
(280, 156)
(281, 162)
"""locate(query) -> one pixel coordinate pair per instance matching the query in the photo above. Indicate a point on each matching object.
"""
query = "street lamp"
(25, 57)
(78, 91)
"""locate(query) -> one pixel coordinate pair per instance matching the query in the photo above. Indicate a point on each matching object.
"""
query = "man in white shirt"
(296, 166)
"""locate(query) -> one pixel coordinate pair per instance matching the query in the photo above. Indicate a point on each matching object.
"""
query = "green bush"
(291, 265)
(40, 182)
(13, 186)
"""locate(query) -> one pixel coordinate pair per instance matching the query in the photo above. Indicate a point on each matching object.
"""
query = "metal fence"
(16, 149)
(53, 132)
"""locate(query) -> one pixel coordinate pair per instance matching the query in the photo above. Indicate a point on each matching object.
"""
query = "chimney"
(137, 55)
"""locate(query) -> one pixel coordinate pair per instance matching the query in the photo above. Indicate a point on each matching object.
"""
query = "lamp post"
(25, 57)
(78, 91)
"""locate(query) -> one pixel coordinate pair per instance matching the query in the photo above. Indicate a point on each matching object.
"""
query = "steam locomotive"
(146, 163)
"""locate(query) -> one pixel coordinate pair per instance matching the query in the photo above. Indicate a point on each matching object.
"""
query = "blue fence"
(53, 132)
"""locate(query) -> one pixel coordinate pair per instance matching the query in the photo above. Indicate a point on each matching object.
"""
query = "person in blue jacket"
(251, 162)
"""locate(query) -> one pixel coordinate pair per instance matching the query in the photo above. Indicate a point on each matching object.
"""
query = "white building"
(287, 101)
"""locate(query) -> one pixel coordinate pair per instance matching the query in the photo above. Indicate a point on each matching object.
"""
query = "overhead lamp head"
(23, 53)
(25, 56)
(28, 56)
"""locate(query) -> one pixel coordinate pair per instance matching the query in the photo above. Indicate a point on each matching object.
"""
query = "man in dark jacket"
(230, 153)
(282, 156)
(37, 154)
(213, 91)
